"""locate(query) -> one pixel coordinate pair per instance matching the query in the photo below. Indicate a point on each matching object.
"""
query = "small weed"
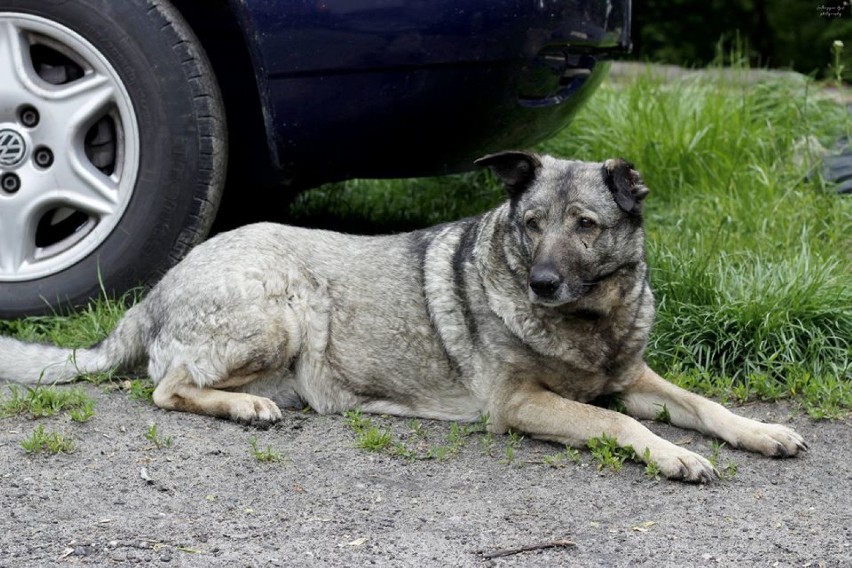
(367, 436)
(481, 425)
(616, 404)
(510, 455)
(652, 468)
(438, 453)
(608, 454)
(140, 389)
(50, 442)
(730, 468)
(572, 454)
(267, 455)
(84, 412)
(563, 458)
(715, 452)
(456, 439)
(663, 415)
(456, 435)
(155, 438)
(101, 377)
(373, 439)
(486, 444)
(417, 427)
(514, 441)
(41, 401)
(400, 450)
(356, 420)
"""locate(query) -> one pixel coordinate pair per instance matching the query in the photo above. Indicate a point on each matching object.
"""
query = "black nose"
(544, 280)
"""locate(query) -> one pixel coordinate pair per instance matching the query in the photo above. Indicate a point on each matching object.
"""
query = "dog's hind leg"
(650, 395)
(178, 391)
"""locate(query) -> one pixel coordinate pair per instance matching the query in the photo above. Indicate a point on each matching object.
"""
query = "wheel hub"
(13, 148)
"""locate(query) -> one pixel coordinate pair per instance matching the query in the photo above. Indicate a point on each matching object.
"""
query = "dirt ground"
(206, 500)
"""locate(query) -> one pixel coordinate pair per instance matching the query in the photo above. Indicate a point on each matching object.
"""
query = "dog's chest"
(580, 359)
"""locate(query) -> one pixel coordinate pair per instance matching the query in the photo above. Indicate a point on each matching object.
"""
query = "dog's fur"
(526, 313)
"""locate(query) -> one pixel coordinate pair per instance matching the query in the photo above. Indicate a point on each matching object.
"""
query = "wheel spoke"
(15, 65)
(17, 236)
(84, 100)
(93, 198)
(82, 186)
(69, 110)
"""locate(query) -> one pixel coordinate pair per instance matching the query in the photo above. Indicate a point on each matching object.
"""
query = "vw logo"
(12, 148)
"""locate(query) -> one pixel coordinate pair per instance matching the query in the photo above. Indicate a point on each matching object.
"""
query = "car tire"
(112, 149)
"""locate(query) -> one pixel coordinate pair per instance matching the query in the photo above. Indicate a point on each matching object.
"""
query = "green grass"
(608, 454)
(563, 458)
(82, 328)
(663, 415)
(513, 443)
(417, 445)
(264, 455)
(729, 470)
(49, 442)
(652, 468)
(751, 253)
(42, 401)
(369, 437)
(152, 435)
(140, 389)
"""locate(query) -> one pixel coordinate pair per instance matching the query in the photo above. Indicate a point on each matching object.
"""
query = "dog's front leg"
(650, 394)
(533, 409)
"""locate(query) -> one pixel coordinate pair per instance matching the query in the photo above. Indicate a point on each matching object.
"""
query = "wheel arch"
(220, 27)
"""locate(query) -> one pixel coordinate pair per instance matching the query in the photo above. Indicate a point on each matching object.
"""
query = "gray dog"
(525, 313)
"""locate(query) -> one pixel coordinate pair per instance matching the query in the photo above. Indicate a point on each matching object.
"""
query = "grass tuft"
(80, 328)
(264, 455)
(49, 442)
(152, 435)
(608, 454)
(43, 401)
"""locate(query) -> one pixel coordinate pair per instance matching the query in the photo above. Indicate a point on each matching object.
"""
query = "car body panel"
(395, 88)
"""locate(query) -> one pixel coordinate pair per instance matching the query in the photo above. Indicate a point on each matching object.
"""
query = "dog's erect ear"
(626, 185)
(516, 169)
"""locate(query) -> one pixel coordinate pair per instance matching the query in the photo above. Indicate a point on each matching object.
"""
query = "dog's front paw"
(254, 410)
(684, 465)
(677, 463)
(772, 440)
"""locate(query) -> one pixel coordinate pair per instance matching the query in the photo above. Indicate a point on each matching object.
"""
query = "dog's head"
(577, 225)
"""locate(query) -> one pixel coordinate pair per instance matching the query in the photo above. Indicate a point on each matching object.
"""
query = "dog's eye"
(532, 224)
(586, 223)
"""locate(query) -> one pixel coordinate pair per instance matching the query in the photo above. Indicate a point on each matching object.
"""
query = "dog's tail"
(36, 363)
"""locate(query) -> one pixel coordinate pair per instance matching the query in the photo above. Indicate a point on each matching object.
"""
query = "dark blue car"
(123, 122)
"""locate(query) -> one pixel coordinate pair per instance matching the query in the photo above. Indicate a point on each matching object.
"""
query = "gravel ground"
(207, 501)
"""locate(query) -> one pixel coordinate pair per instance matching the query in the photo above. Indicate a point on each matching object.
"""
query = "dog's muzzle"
(548, 287)
(545, 282)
